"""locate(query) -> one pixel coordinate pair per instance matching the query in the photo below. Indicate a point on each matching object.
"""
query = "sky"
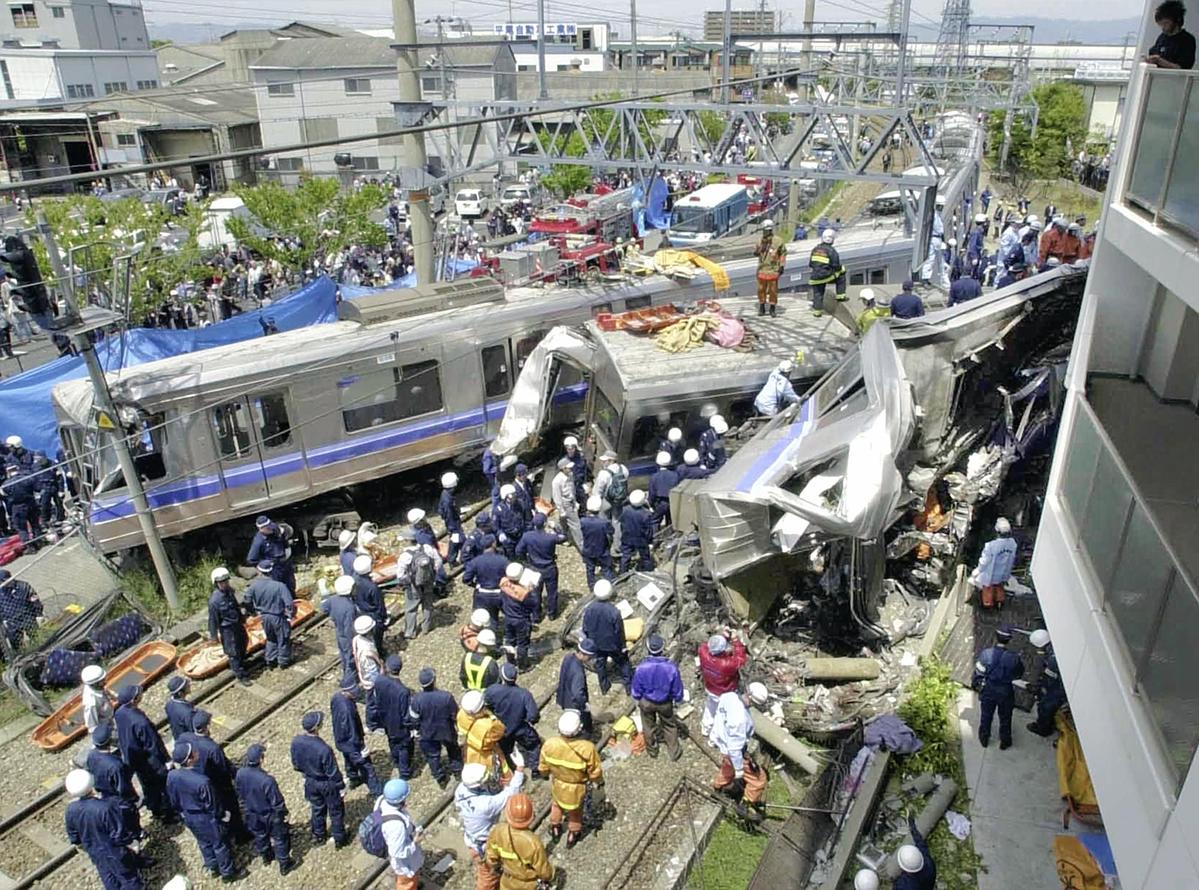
(660, 17)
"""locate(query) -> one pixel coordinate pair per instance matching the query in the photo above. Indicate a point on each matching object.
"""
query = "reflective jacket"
(824, 264)
(572, 764)
(772, 254)
(520, 856)
(479, 671)
(481, 734)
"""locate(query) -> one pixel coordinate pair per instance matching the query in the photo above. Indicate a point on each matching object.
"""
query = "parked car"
(470, 203)
(518, 193)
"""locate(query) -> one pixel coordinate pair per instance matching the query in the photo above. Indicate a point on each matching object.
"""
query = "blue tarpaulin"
(656, 213)
(25, 406)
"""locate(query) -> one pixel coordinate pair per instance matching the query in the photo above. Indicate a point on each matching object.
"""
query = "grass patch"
(815, 211)
(195, 586)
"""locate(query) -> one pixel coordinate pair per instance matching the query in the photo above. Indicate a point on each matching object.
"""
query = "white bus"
(709, 213)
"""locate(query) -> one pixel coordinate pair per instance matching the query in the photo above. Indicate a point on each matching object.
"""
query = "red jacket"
(722, 673)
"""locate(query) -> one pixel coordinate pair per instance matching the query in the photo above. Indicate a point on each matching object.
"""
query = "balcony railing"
(1147, 592)
(1163, 178)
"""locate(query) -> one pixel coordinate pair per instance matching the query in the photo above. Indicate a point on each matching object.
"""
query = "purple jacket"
(657, 679)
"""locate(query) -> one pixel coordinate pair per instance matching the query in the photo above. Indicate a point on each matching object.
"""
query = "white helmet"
(570, 442)
(1002, 526)
(345, 539)
(570, 723)
(486, 637)
(595, 503)
(603, 589)
(719, 424)
(828, 236)
(79, 782)
(514, 571)
(364, 624)
(220, 573)
(691, 457)
(472, 701)
(473, 774)
(868, 294)
(366, 534)
(636, 497)
(785, 366)
(507, 490)
(768, 224)
(344, 585)
(883, 300)
(1039, 638)
(449, 480)
(416, 514)
(674, 434)
(980, 217)
(865, 879)
(363, 563)
(480, 618)
(758, 693)
(93, 674)
(910, 859)
(14, 441)
(663, 459)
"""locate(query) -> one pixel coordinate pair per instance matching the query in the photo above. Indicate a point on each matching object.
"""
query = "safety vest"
(483, 734)
(475, 666)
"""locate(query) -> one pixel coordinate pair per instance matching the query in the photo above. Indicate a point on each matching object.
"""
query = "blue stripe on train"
(801, 426)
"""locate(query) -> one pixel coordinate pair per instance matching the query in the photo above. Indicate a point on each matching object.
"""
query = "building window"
(289, 164)
(585, 40)
(280, 89)
(57, 12)
(117, 86)
(80, 91)
(365, 163)
(358, 86)
(431, 83)
(7, 80)
(147, 84)
(126, 139)
(24, 15)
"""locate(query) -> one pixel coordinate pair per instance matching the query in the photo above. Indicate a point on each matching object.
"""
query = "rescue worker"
(96, 825)
(20, 492)
(732, 728)
(539, 548)
(578, 466)
(525, 496)
(720, 661)
(312, 757)
(227, 623)
(917, 869)
(604, 627)
(572, 694)
(348, 552)
(350, 739)
(691, 468)
(907, 304)
(995, 566)
(866, 879)
(270, 542)
(265, 811)
(179, 710)
(114, 779)
(340, 608)
(516, 708)
(468, 634)
(777, 393)
(1051, 697)
(142, 749)
(99, 705)
(597, 542)
(418, 568)
(274, 603)
(491, 472)
(975, 246)
(563, 493)
(672, 443)
(212, 762)
(573, 763)
(994, 672)
(772, 256)
(21, 608)
(711, 443)
(479, 667)
(824, 268)
(368, 663)
(611, 486)
(660, 486)
(473, 545)
(479, 734)
(447, 509)
(1028, 241)
(877, 306)
(516, 853)
(964, 290)
(636, 534)
(431, 712)
(402, 834)
(1071, 243)
(390, 702)
(192, 795)
(1012, 272)
(485, 572)
(1051, 241)
(521, 607)
(479, 811)
(657, 686)
(368, 598)
(509, 520)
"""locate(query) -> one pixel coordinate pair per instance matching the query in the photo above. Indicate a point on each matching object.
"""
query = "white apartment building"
(569, 46)
(1117, 554)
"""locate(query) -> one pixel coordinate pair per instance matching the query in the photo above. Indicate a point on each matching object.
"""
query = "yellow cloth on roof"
(687, 333)
(670, 258)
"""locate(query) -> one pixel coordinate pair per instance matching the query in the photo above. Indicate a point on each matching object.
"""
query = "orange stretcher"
(208, 658)
(143, 666)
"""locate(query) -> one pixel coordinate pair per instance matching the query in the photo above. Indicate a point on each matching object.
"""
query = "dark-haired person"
(1175, 46)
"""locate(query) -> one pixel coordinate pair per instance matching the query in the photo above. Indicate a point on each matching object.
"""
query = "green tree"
(318, 216)
(711, 126)
(567, 179)
(1061, 125)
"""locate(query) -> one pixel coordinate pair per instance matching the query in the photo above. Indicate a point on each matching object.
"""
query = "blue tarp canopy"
(25, 406)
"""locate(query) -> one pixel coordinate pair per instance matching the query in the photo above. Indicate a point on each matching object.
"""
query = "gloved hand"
(455, 538)
(599, 795)
(366, 752)
(503, 538)
(227, 816)
(342, 794)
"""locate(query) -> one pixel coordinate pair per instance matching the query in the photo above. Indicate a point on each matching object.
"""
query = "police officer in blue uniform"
(390, 705)
(660, 485)
(340, 609)
(491, 470)
(20, 608)
(179, 710)
(1051, 697)
(692, 468)
(473, 545)
(509, 520)
(266, 810)
(113, 778)
(517, 710)
(368, 598)
(636, 533)
(347, 551)
(270, 542)
(192, 794)
(447, 509)
(142, 749)
(485, 572)
(274, 603)
(603, 626)
(432, 712)
(597, 542)
(96, 825)
(521, 609)
(572, 694)
(525, 494)
(539, 548)
(711, 443)
(227, 623)
(672, 443)
(312, 757)
(212, 762)
(350, 739)
(994, 672)
(579, 469)
(20, 492)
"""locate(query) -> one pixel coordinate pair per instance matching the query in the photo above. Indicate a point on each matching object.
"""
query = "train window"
(857, 278)
(383, 397)
(270, 414)
(497, 380)
(232, 424)
(878, 276)
(601, 307)
(148, 448)
(525, 346)
(637, 303)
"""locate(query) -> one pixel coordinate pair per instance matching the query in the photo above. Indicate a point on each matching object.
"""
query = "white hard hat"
(828, 236)
(416, 514)
(14, 441)
(343, 585)
(1039, 638)
(603, 589)
(595, 503)
(364, 624)
(363, 563)
(79, 782)
(1033, 218)
(768, 224)
(663, 459)
(1003, 526)
(980, 217)
(1034, 224)
(345, 539)
(719, 424)
(865, 879)
(952, 242)
(910, 859)
(690, 457)
(570, 723)
(1059, 222)
(570, 441)
(785, 366)
(449, 480)
(93, 674)
(674, 434)
(472, 701)
(637, 497)
(514, 571)
(473, 774)
(220, 573)
(507, 490)
(486, 637)
(758, 693)
(480, 618)
(366, 534)
(868, 294)
(883, 299)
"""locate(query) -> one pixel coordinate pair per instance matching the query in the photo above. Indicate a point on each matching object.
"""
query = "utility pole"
(543, 92)
(633, 36)
(412, 110)
(805, 56)
(120, 443)
(728, 49)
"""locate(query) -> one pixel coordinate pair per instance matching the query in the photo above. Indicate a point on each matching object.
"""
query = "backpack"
(618, 488)
(421, 571)
(370, 832)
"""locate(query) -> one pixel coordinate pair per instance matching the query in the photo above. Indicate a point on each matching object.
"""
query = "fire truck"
(607, 217)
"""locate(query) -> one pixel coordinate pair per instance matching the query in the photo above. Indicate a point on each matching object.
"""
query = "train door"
(498, 377)
(260, 453)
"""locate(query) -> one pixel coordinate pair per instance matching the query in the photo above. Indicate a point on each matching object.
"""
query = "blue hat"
(1004, 634)
(909, 284)
(102, 735)
(538, 519)
(394, 663)
(483, 521)
(395, 791)
(177, 684)
(5, 574)
(521, 469)
(181, 752)
(265, 565)
(312, 720)
(586, 646)
(128, 693)
(200, 720)
(508, 672)
(718, 644)
(427, 677)
(262, 522)
(254, 754)
(349, 684)
(488, 540)
(656, 644)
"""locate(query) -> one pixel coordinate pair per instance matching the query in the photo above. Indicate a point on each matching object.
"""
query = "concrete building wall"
(41, 77)
(76, 24)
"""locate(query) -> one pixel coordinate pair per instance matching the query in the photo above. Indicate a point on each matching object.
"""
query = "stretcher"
(208, 658)
(143, 666)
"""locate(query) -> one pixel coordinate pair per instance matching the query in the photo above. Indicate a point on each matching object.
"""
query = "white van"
(215, 232)
(517, 193)
(470, 203)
